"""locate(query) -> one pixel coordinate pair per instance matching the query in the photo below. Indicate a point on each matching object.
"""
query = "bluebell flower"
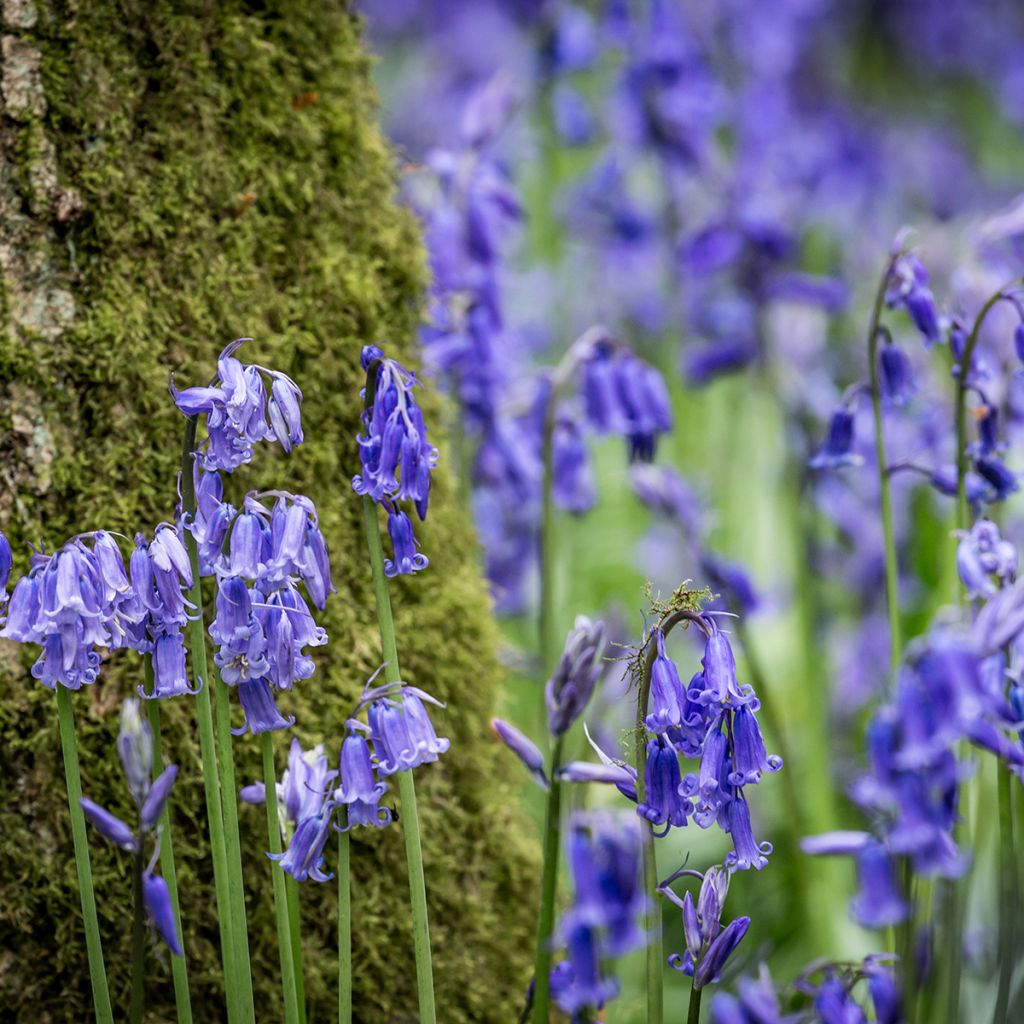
(625, 396)
(720, 672)
(157, 900)
(755, 1004)
(579, 982)
(360, 791)
(1002, 481)
(885, 993)
(572, 479)
(407, 558)
(236, 410)
(907, 287)
(834, 1005)
(667, 698)
(305, 854)
(109, 825)
(879, 903)
(747, 852)
(170, 678)
(749, 758)
(403, 737)
(708, 945)
(838, 447)
(895, 377)
(523, 747)
(983, 554)
(571, 685)
(574, 120)
(706, 363)
(664, 491)
(663, 802)
(261, 713)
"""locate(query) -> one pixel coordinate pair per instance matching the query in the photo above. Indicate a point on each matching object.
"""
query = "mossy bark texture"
(172, 176)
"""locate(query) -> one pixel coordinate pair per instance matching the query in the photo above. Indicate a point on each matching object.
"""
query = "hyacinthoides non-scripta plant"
(953, 687)
(396, 462)
(712, 719)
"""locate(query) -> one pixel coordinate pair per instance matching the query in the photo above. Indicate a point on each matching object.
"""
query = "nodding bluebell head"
(523, 747)
(572, 479)
(579, 982)
(570, 687)
(360, 790)
(907, 287)
(719, 665)
(664, 803)
(403, 735)
(895, 376)
(984, 559)
(260, 708)
(305, 854)
(625, 396)
(157, 900)
(838, 447)
(667, 696)
(408, 559)
(396, 457)
(236, 410)
(746, 852)
(304, 783)
(755, 1003)
(708, 945)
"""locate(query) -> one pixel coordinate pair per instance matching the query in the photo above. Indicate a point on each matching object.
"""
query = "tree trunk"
(175, 175)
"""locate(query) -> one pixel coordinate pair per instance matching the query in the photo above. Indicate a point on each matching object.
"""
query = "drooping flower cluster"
(708, 945)
(953, 688)
(712, 718)
(263, 625)
(239, 412)
(82, 598)
(135, 749)
(604, 854)
(396, 457)
(399, 737)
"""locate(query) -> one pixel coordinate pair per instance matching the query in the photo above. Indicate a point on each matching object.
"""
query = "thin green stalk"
(233, 982)
(406, 786)
(961, 403)
(344, 931)
(892, 570)
(291, 888)
(284, 936)
(693, 1014)
(1008, 908)
(548, 890)
(93, 945)
(546, 625)
(179, 968)
(236, 887)
(138, 996)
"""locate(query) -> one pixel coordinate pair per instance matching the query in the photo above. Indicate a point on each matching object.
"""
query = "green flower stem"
(1008, 908)
(291, 888)
(548, 890)
(179, 968)
(233, 981)
(284, 935)
(93, 946)
(344, 931)
(892, 569)
(406, 786)
(546, 624)
(961, 403)
(138, 996)
(693, 1014)
(236, 888)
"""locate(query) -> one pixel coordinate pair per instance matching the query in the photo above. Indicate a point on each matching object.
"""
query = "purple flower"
(261, 714)
(838, 447)
(403, 736)
(748, 753)
(667, 698)
(663, 802)
(360, 791)
(907, 287)
(625, 396)
(236, 411)
(878, 903)
(895, 377)
(109, 825)
(305, 853)
(523, 747)
(747, 852)
(157, 900)
(5, 566)
(407, 558)
(572, 684)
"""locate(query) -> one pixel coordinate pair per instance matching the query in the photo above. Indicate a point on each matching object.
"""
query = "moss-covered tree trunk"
(175, 175)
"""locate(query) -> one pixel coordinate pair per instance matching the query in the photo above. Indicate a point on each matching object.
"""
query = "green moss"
(166, 118)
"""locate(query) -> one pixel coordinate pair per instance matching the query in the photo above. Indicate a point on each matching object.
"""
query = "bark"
(172, 176)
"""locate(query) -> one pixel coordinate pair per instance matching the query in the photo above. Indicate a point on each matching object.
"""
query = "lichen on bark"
(175, 175)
